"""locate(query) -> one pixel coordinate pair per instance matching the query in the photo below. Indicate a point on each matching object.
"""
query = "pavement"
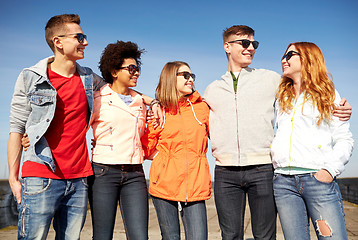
(351, 211)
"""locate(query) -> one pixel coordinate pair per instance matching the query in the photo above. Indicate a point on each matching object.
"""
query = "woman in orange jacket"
(180, 179)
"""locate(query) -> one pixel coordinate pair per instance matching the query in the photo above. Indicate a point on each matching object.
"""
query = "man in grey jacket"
(241, 131)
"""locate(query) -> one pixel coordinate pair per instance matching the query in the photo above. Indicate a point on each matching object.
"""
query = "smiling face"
(122, 78)
(238, 56)
(292, 68)
(69, 45)
(184, 86)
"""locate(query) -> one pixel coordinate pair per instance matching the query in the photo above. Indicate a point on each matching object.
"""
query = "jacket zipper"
(187, 166)
(290, 149)
(104, 131)
(134, 136)
(106, 145)
(237, 119)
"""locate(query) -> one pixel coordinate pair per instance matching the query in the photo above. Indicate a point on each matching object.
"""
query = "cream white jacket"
(118, 128)
(299, 142)
(242, 123)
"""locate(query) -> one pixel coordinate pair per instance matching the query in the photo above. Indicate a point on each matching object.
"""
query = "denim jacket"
(33, 107)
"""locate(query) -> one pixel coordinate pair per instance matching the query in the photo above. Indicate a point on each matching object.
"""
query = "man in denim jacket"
(53, 102)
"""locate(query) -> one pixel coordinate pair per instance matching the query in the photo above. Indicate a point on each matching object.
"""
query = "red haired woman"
(310, 148)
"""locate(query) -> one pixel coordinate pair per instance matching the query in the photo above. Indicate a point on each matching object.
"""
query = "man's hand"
(14, 150)
(25, 142)
(343, 111)
(15, 186)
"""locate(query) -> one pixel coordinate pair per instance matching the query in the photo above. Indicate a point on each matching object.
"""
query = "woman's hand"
(25, 142)
(323, 176)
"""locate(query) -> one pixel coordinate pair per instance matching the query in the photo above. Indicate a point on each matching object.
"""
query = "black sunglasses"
(289, 55)
(187, 75)
(132, 69)
(246, 43)
(80, 36)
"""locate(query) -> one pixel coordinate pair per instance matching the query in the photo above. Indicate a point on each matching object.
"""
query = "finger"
(343, 101)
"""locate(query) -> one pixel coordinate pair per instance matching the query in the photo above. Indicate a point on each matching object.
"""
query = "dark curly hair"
(113, 57)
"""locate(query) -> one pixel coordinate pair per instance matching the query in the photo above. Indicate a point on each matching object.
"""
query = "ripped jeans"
(300, 197)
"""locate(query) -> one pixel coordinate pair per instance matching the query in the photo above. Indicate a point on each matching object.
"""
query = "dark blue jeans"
(231, 186)
(123, 184)
(193, 215)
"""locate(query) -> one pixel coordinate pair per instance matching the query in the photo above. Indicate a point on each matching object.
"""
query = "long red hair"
(316, 82)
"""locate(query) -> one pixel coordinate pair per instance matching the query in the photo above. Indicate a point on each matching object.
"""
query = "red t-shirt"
(66, 134)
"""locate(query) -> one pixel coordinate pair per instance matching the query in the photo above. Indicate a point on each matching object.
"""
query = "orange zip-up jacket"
(180, 171)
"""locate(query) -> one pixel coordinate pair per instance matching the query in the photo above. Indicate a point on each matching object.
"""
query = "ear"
(57, 42)
(114, 73)
(227, 47)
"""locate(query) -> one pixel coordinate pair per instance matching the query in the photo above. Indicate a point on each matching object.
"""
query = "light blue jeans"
(300, 197)
(63, 200)
(193, 215)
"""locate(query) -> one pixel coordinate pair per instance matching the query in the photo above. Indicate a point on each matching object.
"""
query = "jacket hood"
(193, 98)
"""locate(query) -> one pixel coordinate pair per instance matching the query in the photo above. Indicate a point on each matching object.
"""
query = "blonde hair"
(166, 91)
(316, 82)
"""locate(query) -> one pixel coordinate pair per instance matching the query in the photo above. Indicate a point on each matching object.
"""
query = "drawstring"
(179, 207)
(163, 117)
(194, 112)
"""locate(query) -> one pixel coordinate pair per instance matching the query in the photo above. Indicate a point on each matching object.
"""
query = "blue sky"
(190, 31)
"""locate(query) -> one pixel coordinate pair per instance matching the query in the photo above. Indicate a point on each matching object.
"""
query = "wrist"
(153, 102)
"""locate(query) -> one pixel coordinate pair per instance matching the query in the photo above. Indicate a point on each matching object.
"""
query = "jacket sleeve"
(150, 139)
(98, 82)
(342, 141)
(20, 108)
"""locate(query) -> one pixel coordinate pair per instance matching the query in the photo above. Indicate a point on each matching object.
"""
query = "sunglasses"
(246, 43)
(187, 75)
(80, 36)
(289, 55)
(132, 69)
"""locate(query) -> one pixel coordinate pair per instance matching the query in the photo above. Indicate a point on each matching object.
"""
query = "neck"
(62, 66)
(297, 86)
(234, 67)
(119, 88)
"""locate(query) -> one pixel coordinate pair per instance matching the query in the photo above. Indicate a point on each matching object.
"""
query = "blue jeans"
(300, 197)
(124, 185)
(193, 215)
(63, 200)
(231, 186)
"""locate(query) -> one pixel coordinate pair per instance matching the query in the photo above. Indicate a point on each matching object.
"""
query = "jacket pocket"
(102, 148)
(40, 99)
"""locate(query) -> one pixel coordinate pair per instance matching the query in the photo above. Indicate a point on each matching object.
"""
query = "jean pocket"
(319, 181)
(265, 168)
(99, 170)
(84, 181)
(276, 176)
(35, 185)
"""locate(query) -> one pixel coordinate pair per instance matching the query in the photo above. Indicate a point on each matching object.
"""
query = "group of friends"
(291, 171)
